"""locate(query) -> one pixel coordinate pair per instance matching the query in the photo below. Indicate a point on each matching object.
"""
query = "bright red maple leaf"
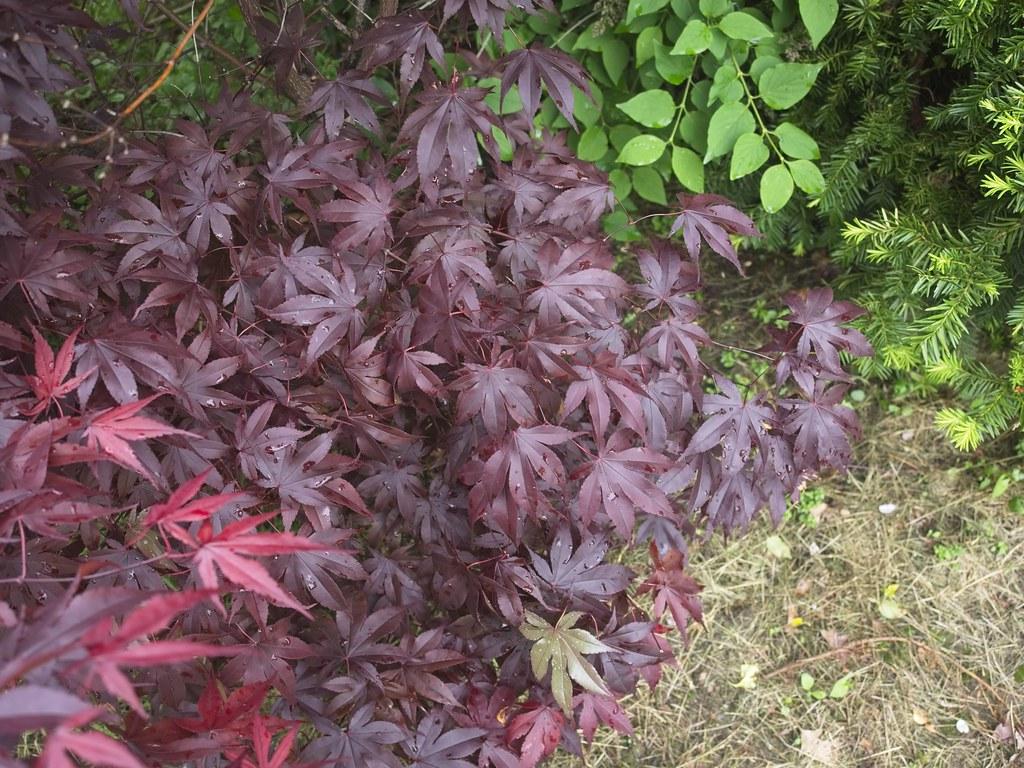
(112, 431)
(48, 383)
(540, 729)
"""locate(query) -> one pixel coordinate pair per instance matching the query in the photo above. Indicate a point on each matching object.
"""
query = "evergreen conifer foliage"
(315, 432)
(919, 120)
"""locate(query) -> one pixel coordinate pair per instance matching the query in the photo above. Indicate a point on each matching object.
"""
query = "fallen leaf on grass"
(813, 746)
(748, 676)
(777, 548)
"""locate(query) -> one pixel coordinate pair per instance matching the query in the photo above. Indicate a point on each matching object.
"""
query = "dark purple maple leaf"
(529, 67)
(349, 95)
(569, 289)
(434, 745)
(580, 573)
(408, 37)
(712, 218)
(446, 127)
(364, 210)
(733, 422)
(617, 483)
(495, 393)
(822, 427)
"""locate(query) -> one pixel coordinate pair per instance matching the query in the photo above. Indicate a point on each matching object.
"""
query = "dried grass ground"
(962, 628)
(956, 555)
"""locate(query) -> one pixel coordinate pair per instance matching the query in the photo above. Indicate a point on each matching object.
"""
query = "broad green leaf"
(654, 108)
(648, 184)
(619, 135)
(645, 43)
(807, 176)
(761, 64)
(743, 26)
(818, 16)
(729, 122)
(748, 154)
(684, 9)
(642, 150)
(586, 109)
(621, 183)
(509, 105)
(806, 680)
(841, 687)
(674, 69)
(796, 143)
(785, 84)
(593, 144)
(615, 57)
(544, 23)
(776, 547)
(776, 188)
(618, 227)
(695, 38)
(505, 148)
(714, 8)
(643, 7)
(560, 649)
(719, 45)
(725, 76)
(688, 168)
(693, 129)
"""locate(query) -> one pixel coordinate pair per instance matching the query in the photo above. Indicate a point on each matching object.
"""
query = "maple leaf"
(734, 423)
(181, 507)
(42, 270)
(667, 280)
(107, 650)
(673, 339)
(560, 649)
(98, 748)
(603, 384)
(446, 126)
(153, 233)
(595, 710)
(364, 741)
(365, 209)
(822, 427)
(112, 431)
(346, 96)
(408, 37)
(540, 728)
(226, 548)
(712, 218)
(434, 746)
(524, 457)
(816, 336)
(495, 393)
(673, 589)
(48, 383)
(333, 309)
(580, 574)
(616, 483)
(529, 67)
(569, 289)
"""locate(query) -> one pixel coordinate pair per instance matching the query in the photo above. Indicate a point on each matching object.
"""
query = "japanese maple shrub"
(316, 432)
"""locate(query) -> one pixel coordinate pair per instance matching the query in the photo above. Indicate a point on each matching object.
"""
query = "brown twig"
(108, 132)
(870, 641)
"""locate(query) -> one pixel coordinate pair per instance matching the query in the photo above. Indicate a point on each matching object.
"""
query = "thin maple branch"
(108, 132)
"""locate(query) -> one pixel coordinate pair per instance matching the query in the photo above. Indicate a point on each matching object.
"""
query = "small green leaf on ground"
(777, 548)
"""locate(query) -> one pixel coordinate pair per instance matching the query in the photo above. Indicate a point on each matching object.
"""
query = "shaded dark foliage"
(301, 424)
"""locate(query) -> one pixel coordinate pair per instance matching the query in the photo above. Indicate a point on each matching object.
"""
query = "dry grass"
(956, 555)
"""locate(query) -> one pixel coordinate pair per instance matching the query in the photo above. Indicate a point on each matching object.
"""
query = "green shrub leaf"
(642, 150)
(688, 168)
(785, 84)
(807, 176)
(796, 143)
(776, 188)
(615, 57)
(730, 121)
(695, 38)
(749, 154)
(743, 26)
(674, 69)
(593, 144)
(654, 108)
(642, 8)
(648, 184)
(818, 16)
